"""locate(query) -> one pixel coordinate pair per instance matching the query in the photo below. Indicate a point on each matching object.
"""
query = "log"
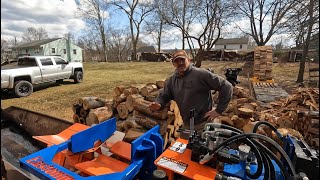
(76, 108)
(160, 83)
(119, 125)
(226, 120)
(123, 110)
(118, 90)
(75, 118)
(165, 140)
(153, 95)
(284, 122)
(131, 99)
(245, 112)
(143, 107)
(170, 117)
(92, 103)
(170, 130)
(130, 90)
(149, 122)
(133, 134)
(119, 99)
(131, 123)
(83, 112)
(146, 90)
(81, 100)
(98, 115)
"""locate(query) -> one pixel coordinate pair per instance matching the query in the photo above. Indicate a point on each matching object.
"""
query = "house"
(50, 47)
(145, 49)
(241, 44)
(149, 53)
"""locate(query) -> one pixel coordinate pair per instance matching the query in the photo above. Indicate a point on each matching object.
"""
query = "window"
(26, 61)
(27, 50)
(240, 46)
(225, 46)
(59, 61)
(64, 51)
(46, 62)
(36, 50)
(53, 50)
(74, 51)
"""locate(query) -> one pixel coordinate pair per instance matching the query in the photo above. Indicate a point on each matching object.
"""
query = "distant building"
(240, 44)
(50, 47)
(145, 49)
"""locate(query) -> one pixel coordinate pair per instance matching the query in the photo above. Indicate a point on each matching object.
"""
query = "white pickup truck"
(36, 70)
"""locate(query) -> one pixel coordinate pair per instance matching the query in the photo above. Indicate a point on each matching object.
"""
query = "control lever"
(192, 121)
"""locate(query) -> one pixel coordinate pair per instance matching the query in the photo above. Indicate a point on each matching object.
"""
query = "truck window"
(59, 61)
(46, 62)
(27, 61)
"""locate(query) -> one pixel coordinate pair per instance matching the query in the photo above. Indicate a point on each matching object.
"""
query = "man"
(190, 88)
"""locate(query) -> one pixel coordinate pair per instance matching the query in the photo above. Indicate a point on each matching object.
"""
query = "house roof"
(146, 49)
(232, 41)
(34, 43)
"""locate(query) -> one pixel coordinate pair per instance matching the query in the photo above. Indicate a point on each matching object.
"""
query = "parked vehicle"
(32, 70)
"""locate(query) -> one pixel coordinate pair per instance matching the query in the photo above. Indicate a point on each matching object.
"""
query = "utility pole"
(68, 48)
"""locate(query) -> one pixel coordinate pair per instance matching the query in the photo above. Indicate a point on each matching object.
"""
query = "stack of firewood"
(262, 67)
(130, 107)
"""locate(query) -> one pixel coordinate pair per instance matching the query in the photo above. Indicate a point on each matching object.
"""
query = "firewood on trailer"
(118, 90)
(81, 100)
(133, 134)
(92, 103)
(98, 115)
(146, 90)
(130, 90)
(76, 108)
(160, 83)
(143, 106)
(123, 110)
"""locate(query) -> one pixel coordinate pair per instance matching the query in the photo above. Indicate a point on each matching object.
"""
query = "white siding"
(59, 46)
(232, 47)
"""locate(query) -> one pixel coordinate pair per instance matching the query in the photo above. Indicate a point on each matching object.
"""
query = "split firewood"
(91, 103)
(176, 134)
(170, 130)
(248, 128)
(146, 90)
(130, 90)
(239, 122)
(160, 83)
(175, 109)
(123, 110)
(226, 120)
(98, 115)
(143, 107)
(81, 100)
(118, 90)
(133, 134)
(76, 108)
(165, 140)
(245, 112)
(170, 117)
(285, 122)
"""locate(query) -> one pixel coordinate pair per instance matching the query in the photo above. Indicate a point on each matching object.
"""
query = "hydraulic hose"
(272, 171)
(251, 135)
(255, 128)
(266, 166)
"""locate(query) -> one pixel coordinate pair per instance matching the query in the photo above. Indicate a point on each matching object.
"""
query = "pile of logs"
(130, 107)
(262, 67)
(297, 115)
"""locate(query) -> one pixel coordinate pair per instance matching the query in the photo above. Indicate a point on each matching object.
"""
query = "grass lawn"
(101, 78)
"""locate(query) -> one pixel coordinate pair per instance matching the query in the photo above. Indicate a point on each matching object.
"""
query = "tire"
(159, 175)
(78, 77)
(23, 88)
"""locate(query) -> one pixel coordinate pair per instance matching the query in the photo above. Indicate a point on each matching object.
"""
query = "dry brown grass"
(101, 78)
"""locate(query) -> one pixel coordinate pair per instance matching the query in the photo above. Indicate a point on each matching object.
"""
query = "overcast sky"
(58, 17)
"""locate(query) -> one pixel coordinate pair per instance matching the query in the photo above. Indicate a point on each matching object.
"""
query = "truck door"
(64, 70)
(48, 70)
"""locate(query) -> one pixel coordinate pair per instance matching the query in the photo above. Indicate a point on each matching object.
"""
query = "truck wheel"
(23, 88)
(78, 77)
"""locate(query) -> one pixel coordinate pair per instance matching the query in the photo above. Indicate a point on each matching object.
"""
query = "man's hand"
(154, 106)
(211, 115)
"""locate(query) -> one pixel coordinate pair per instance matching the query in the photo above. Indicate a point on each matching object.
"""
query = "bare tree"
(93, 13)
(33, 34)
(119, 43)
(266, 17)
(136, 12)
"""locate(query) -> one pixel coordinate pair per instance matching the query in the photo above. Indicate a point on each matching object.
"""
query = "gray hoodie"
(192, 91)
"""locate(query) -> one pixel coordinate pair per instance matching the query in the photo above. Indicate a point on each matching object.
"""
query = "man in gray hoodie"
(191, 88)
